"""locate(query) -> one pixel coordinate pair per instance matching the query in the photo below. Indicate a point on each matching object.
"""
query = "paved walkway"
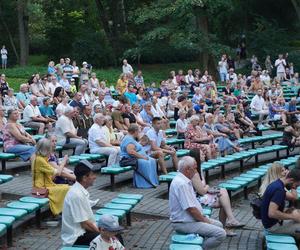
(151, 228)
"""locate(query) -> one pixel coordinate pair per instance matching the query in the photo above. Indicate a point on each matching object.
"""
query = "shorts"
(277, 117)
(222, 77)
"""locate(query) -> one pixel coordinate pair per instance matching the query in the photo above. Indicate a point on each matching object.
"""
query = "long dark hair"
(57, 91)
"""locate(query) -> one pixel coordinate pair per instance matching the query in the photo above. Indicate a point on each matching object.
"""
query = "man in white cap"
(108, 226)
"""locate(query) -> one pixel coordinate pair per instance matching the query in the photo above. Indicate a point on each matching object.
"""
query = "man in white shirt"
(126, 68)
(33, 118)
(280, 64)
(4, 57)
(78, 222)
(98, 143)
(186, 211)
(231, 77)
(100, 100)
(67, 134)
(159, 147)
(258, 107)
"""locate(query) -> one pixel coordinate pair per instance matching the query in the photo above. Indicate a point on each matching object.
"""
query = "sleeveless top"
(8, 139)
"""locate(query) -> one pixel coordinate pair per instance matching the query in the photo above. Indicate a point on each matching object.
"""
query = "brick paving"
(150, 229)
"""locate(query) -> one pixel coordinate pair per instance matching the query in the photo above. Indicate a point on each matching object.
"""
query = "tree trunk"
(23, 31)
(296, 4)
(11, 40)
(206, 58)
(123, 10)
(107, 27)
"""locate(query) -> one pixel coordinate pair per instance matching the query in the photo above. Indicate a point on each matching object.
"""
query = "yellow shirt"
(121, 86)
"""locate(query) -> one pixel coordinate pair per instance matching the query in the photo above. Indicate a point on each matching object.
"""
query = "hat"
(72, 80)
(84, 63)
(109, 223)
(83, 168)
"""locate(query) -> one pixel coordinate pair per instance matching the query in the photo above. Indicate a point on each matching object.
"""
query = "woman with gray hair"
(181, 124)
(43, 174)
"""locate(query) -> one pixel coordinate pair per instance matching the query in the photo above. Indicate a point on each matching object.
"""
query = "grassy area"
(152, 73)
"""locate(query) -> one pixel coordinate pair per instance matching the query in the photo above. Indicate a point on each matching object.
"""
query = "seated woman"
(146, 175)
(197, 138)
(181, 124)
(15, 139)
(61, 107)
(122, 84)
(113, 137)
(67, 176)
(221, 138)
(275, 172)
(171, 104)
(3, 121)
(158, 112)
(245, 123)
(128, 116)
(216, 198)
(139, 120)
(10, 101)
(230, 123)
(43, 174)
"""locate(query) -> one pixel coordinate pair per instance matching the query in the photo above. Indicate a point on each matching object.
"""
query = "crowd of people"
(127, 124)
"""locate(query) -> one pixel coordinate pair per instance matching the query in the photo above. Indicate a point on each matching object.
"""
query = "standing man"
(280, 64)
(68, 69)
(186, 211)
(4, 57)
(126, 68)
(159, 147)
(78, 223)
(223, 66)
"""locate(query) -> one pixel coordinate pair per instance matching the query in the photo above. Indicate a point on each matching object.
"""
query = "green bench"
(113, 171)
(184, 247)
(5, 178)
(248, 178)
(4, 157)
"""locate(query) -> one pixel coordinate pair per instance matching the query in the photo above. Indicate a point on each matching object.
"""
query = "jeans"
(86, 238)
(213, 233)
(112, 152)
(223, 76)
(23, 151)
(79, 144)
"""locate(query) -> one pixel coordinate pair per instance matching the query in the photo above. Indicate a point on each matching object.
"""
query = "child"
(108, 226)
(145, 142)
(73, 89)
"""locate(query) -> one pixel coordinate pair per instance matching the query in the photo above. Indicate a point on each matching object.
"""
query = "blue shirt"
(75, 104)
(24, 97)
(46, 111)
(275, 192)
(131, 97)
(146, 118)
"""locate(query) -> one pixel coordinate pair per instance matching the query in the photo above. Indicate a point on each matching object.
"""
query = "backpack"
(256, 206)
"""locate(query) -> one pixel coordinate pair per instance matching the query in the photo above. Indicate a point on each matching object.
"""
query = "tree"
(23, 20)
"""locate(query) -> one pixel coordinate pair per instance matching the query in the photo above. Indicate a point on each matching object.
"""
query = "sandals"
(234, 225)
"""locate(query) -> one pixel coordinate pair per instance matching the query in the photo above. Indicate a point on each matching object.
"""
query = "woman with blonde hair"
(43, 174)
(276, 171)
(122, 84)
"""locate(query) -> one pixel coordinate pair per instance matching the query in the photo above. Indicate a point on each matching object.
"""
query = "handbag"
(38, 192)
(124, 162)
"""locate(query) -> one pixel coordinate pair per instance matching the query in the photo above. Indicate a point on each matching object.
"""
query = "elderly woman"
(111, 136)
(171, 104)
(67, 175)
(181, 124)
(94, 83)
(139, 120)
(15, 139)
(198, 138)
(224, 143)
(145, 176)
(128, 116)
(43, 174)
(10, 101)
(3, 121)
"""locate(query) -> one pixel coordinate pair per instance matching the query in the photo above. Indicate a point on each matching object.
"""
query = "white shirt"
(158, 138)
(280, 64)
(65, 84)
(232, 77)
(60, 109)
(181, 197)
(96, 133)
(157, 112)
(223, 67)
(52, 87)
(189, 78)
(64, 125)
(97, 102)
(127, 68)
(4, 53)
(257, 103)
(99, 244)
(181, 125)
(30, 111)
(76, 209)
